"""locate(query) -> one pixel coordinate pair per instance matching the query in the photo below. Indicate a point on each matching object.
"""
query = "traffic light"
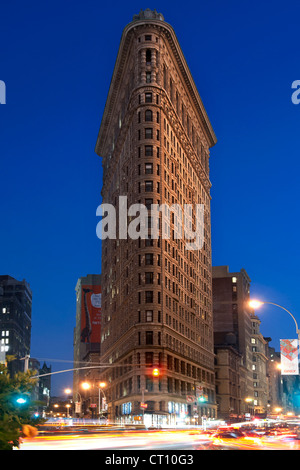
(21, 400)
(203, 398)
(156, 372)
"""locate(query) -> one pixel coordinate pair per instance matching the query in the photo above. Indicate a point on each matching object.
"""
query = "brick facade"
(154, 140)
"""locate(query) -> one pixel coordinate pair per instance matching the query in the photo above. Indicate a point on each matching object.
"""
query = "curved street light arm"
(280, 306)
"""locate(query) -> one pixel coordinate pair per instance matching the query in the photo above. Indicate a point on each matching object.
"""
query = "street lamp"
(255, 304)
(258, 303)
(86, 385)
(250, 405)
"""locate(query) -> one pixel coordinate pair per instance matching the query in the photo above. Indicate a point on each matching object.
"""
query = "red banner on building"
(90, 314)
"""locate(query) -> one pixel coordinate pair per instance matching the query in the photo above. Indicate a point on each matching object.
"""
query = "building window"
(149, 259)
(148, 77)
(148, 278)
(148, 37)
(148, 186)
(148, 203)
(148, 56)
(149, 385)
(148, 150)
(148, 133)
(149, 315)
(149, 241)
(148, 168)
(148, 115)
(149, 296)
(148, 97)
(149, 359)
(149, 337)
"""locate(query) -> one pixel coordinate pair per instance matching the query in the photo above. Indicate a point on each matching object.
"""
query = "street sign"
(190, 398)
(78, 407)
(144, 406)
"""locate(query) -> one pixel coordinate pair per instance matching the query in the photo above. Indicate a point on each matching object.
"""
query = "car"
(231, 439)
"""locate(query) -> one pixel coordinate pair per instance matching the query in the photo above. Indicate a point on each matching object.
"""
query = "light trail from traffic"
(159, 439)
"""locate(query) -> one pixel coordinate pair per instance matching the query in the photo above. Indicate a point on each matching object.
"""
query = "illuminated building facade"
(154, 140)
(86, 344)
(15, 322)
(232, 316)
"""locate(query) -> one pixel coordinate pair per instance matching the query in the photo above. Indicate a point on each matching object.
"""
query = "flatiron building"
(154, 141)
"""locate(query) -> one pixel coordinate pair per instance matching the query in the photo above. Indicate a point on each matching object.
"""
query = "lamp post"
(258, 303)
(87, 386)
(78, 404)
(250, 405)
(68, 392)
(102, 385)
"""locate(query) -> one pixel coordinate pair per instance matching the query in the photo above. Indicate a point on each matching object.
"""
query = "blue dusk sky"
(57, 60)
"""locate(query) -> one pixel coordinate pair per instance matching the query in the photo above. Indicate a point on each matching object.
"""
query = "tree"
(16, 407)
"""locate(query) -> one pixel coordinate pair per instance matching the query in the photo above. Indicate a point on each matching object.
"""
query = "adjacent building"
(87, 335)
(42, 390)
(232, 316)
(230, 377)
(15, 321)
(275, 379)
(154, 141)
(259, 346)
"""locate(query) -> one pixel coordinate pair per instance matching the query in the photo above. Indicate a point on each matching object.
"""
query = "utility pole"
(26, 362)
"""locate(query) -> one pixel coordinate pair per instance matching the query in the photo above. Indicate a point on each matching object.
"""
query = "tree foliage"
(14, 414)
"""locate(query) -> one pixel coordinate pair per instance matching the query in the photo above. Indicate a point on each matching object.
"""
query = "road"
(166, 440)
(126, 440)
